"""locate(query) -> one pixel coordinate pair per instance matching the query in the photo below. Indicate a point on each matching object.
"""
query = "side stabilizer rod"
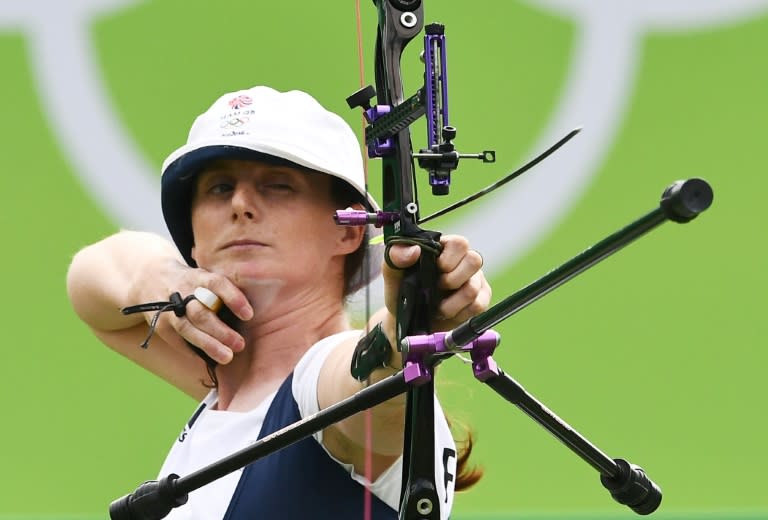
(681, 202)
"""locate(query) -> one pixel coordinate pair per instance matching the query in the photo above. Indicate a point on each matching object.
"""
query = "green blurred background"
(657, 355)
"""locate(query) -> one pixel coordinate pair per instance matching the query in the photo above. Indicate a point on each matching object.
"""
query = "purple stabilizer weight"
(379, 147)
(480, 348)
(355, 217)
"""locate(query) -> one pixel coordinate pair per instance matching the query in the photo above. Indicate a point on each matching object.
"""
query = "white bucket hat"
(266, 125)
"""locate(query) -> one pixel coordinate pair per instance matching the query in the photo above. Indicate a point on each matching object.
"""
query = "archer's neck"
(275, 340)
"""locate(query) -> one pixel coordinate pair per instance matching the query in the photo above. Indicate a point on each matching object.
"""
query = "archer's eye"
(217, 188)
(279, 187)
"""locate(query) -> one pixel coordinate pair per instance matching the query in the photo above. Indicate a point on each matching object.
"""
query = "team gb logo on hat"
(240, 101)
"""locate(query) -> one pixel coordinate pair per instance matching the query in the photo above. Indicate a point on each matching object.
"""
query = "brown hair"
(467, 475)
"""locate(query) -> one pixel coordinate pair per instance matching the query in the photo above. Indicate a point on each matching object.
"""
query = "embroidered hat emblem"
(240, 101)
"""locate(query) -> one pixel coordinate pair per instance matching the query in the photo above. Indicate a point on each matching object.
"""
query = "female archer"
(248, 201)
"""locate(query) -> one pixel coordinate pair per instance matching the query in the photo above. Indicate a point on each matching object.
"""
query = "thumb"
(400, 257)
(403, 256)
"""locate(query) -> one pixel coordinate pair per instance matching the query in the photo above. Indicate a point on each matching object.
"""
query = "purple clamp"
(379, 147)
(425, 344)
(417, 372)
(417, 348)
(483, 365)
(354, 217)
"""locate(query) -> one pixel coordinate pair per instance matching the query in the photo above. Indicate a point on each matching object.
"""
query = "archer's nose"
(245, 202)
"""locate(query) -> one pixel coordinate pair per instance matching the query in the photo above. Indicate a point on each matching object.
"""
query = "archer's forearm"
(108, 275)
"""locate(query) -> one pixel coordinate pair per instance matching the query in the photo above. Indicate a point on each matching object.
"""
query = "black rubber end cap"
(684, 200)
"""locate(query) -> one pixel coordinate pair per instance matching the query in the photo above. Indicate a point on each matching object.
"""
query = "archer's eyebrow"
(233, 166)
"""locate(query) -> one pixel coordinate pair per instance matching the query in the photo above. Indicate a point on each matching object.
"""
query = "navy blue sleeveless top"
(300, 481)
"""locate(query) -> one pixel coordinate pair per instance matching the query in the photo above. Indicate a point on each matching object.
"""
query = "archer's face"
(259, 223)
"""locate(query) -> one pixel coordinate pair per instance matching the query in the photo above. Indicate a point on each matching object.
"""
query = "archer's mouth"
(243, 244)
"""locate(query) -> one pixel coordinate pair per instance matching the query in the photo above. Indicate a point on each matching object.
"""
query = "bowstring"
(367, 499)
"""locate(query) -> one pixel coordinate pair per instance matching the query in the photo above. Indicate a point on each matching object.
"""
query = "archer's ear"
(350, 237)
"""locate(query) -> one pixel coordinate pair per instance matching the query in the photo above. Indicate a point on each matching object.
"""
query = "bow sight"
(440, 157)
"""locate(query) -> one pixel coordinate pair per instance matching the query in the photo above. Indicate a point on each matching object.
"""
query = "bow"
(387, 137)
